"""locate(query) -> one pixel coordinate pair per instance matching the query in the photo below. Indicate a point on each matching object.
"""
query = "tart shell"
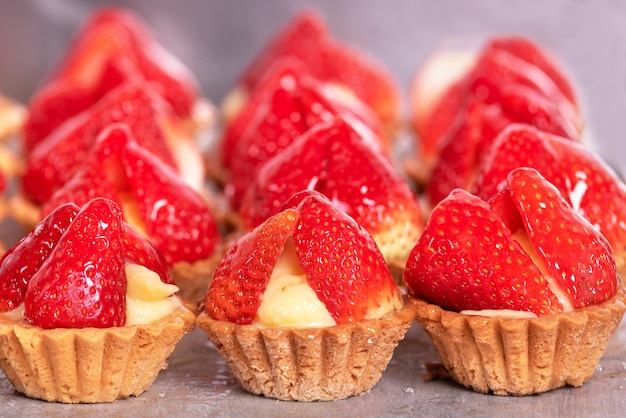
(516, 356)
(310, 364)
(89, 365)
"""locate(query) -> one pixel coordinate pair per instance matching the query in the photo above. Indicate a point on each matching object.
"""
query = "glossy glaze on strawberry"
(56, 159)
(524, 250)
(342, 263)
(509, 60)
(288, 102)
(336, 161)
(155, 200)
(583, 179)
(23, 260)
(509, 80)
(308, 39)
(69, 272)
(113, 46)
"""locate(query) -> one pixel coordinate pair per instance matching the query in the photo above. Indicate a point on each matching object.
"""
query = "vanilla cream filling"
(289, 301)
(148, 299)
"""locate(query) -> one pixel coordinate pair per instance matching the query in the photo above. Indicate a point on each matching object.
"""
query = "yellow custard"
(289, 301)
(147, 297)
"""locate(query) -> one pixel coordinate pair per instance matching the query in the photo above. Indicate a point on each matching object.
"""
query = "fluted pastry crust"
(311, 364)
(516, 356)
(89, 365)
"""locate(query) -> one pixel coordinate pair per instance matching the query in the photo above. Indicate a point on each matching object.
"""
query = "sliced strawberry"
(82, 283)
(21, 262)
(53, 104)
(507, 75)
(292, 103)
(493, 105)
(114, 45)
(169, 76)
(525, 250)
(138, 250)
(56, 159)
(458, 157)
(583, 179)
(242, 275)
(341, 262)
(467, 259)
(432, 128)
(575, 254)
(334, 160)
(530, 52)
(101, 174)
(308, 39)
(153, 197)
(176, 218)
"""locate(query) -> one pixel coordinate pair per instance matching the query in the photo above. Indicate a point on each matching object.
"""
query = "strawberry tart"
(118, 119)
(519, 294)
(88, 309)
(303, 307)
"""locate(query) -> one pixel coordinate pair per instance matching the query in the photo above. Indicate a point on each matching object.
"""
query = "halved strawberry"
(82, 282)
(530, 52)
(576, 256)
(499, 104)
(525, 250)
(308, 39)
(291, 102)
(583, 179)
(114, 45)
(510, 75)
(341, 262)
(176, 218)
(138, 250)
(241, 277)
(56, 159)
(334, 160)
(344, 266)
(22, 261)
(153, 197)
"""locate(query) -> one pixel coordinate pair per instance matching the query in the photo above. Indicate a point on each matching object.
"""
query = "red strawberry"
(512, 77)
(530, 52)
(291, 103)
(21, 262)
(307, 39)
(341, 262)
(138, 250)
(102, 173)
(326, 238)
(473, 255)
(112, 47)
(334, 160)
(583, 179)
(499, 104)
(82, 283)
(241, 277)
(56, 159)
(176, 218)
(153, 197)
(574, 253)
